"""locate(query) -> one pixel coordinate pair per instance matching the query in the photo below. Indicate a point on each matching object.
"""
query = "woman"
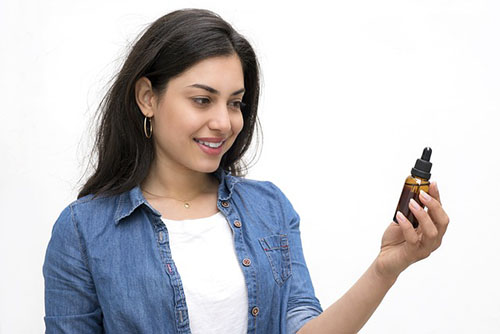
(167, 236)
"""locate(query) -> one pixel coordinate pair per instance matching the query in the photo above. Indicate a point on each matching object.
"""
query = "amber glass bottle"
(418, 180)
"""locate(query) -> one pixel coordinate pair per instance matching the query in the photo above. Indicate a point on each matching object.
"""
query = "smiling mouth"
(210, 144)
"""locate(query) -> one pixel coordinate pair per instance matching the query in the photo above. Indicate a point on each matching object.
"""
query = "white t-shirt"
(213, 281)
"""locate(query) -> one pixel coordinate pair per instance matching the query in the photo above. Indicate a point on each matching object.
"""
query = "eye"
(202, 101)
(238, 104)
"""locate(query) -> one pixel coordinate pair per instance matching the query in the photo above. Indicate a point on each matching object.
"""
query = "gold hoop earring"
(146, 118)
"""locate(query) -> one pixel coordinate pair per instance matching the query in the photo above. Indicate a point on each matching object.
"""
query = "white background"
(352, 93)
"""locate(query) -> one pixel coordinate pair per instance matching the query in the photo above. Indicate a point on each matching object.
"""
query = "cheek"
(237, 123)
(177, 121)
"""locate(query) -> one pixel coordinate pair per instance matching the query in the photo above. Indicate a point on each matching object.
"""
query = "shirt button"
(237, 223)
(255, 311)
(225, 204)
(246, 262)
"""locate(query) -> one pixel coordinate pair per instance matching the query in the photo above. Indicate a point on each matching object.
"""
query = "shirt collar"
(130, 200)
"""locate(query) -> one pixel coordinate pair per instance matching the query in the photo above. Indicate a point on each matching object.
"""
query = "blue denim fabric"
(108, 266)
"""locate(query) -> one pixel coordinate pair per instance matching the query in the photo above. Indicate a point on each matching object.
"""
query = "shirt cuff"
(299, 316)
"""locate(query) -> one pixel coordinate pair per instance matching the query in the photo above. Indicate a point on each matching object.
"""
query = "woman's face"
(198, 109)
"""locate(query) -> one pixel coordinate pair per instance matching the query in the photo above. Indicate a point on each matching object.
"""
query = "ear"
(145, 97)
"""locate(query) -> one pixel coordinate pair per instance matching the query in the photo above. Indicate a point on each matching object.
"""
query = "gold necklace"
(186, 202)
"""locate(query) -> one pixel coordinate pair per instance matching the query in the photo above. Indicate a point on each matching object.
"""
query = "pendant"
(186, 205)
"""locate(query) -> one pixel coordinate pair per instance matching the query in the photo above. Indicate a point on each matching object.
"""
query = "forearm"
(349, 314)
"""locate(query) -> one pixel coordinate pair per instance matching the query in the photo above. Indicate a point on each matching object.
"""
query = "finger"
(434, 192)
(409, 232)
(429, 230)
(436, 212)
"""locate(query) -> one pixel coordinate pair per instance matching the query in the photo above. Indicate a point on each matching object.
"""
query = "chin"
(208, 168)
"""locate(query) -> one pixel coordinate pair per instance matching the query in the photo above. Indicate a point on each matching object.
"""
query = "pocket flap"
(274, 242)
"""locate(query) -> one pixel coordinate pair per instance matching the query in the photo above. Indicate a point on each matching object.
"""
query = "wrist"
(381, 273)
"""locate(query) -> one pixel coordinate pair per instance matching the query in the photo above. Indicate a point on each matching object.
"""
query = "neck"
(177, 182)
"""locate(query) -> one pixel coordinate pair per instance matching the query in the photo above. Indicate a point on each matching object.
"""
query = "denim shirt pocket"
(278, 253)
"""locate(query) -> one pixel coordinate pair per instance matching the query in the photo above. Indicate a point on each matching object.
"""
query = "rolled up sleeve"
(71, 304)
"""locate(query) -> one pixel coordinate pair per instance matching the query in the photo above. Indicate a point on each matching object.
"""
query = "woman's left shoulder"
(263, 189)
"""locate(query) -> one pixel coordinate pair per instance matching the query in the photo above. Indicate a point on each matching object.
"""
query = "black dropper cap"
(423, 165)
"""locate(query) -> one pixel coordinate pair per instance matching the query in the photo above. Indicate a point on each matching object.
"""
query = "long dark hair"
(169, 46)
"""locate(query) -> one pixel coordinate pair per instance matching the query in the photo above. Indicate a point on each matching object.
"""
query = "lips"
(210, 148)
(210, 144)
(210, 139)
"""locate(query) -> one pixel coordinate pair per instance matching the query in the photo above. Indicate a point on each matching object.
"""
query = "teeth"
(212, 145)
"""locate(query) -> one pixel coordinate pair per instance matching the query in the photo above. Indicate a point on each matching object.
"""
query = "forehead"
(222, 72)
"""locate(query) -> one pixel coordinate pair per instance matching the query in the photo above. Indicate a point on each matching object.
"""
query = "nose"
(220, 119)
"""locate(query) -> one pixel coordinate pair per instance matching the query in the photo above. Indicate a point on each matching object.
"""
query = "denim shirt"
(108, 265)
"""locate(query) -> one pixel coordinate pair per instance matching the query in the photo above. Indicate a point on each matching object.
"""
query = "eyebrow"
(215, 91)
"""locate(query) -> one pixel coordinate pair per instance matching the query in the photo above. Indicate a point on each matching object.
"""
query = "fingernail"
(425, 195)
(414, 204)
(436, 185)
(400, 217)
